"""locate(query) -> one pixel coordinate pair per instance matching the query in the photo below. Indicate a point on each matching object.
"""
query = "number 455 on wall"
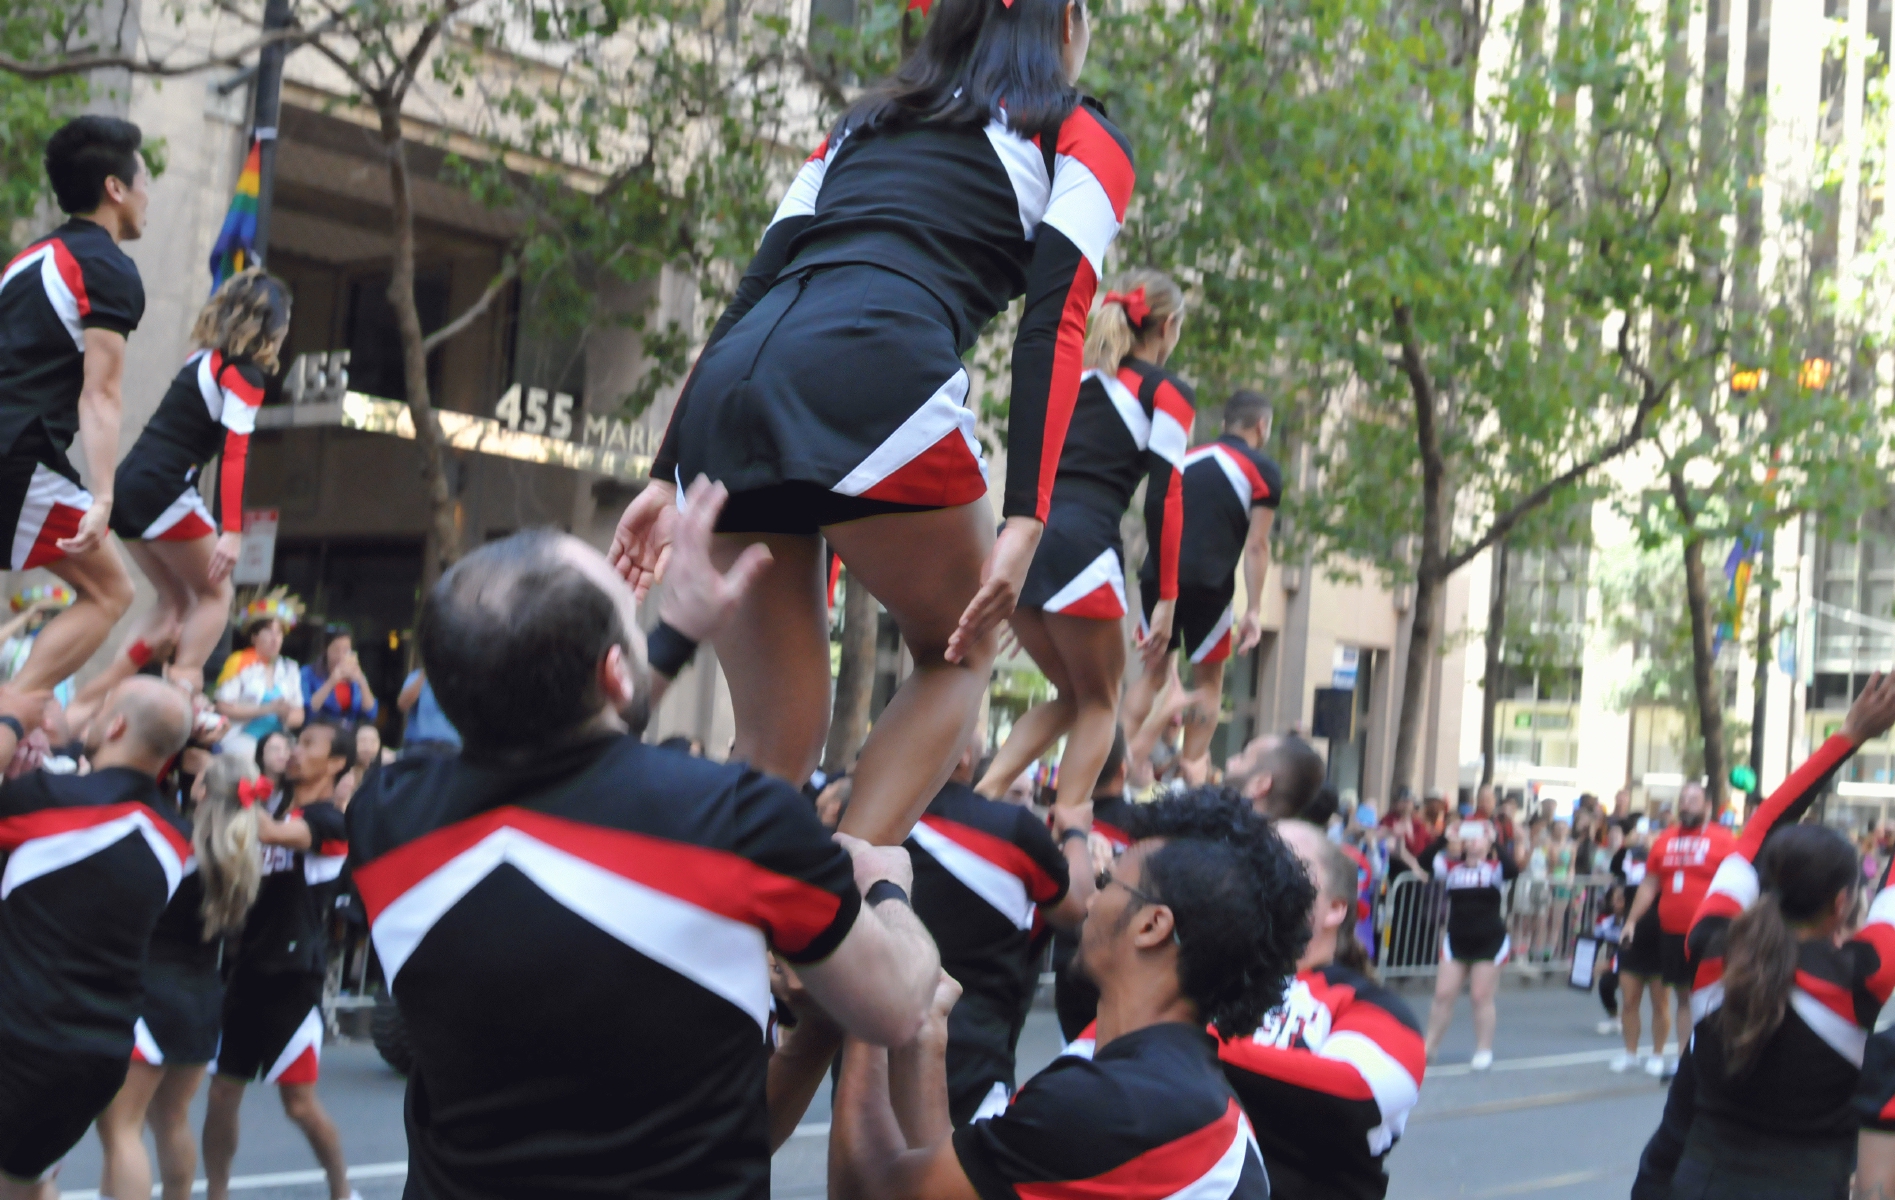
(532, 417)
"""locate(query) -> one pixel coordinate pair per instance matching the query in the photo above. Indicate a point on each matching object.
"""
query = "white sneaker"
(1621, 1063)
(1482, 1060)
(1671, 1067)
(1608, 1026)
(1655, 1066)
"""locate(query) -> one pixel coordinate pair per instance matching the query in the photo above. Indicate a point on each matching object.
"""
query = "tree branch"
(1652, 396)
(509, 271)
(146, 65)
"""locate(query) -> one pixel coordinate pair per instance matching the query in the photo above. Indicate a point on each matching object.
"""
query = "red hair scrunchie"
(1133, 302)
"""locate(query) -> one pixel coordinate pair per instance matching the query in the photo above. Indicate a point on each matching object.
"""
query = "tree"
(1470, 259)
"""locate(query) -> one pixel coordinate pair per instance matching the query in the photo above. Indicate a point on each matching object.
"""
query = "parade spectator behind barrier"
(336, 688)
(428, 731)
(33, 608)
(1201, 922)
(261, 690)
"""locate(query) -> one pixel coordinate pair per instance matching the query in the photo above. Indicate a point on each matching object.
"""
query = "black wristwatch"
(886, 889)
(13, 723)
(1069, 834)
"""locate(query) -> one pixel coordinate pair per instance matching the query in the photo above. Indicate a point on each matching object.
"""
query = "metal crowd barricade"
(1413, 918)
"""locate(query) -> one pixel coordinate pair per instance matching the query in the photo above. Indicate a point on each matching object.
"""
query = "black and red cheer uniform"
(984, 870)
(1329, 1079)
(91, 861)
(832, 387)
(1148, 1117)
(578, 947)
(74, 279)
(209, 412)
(1224, 482)
(1134, 425)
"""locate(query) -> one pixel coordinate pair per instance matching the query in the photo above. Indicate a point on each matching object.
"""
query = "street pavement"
(1548, 1121)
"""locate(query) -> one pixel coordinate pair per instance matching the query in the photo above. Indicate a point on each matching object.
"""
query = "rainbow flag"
(237, 241)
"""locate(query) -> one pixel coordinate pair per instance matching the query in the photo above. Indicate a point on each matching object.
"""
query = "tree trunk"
(855, 679)
(1703, 668)
(444, 541)
(1431, 571)
(1490, 678)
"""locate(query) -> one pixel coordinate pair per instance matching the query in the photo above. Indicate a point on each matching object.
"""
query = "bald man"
(91, 862)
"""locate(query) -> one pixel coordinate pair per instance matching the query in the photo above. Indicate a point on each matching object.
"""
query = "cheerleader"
(832, 403)
(1476, 944)
(171, 533)
(1783, 999)
(1132, 420)
(178, 1026)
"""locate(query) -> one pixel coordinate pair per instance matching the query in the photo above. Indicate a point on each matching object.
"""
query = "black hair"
(1296, 777)
(264, 741)
(1245, 408)
(83, 152)
(512, 637)
(1801, 870)
(1114, 759)
(341, 740)
(1239, 896)
(976, 56)
(1326, 804)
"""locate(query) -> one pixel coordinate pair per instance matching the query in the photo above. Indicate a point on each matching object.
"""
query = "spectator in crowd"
(428, 731)
(260, 690)
(1606, 965)
(1409, 836)
(1622, 815)
(273, 757)
(336, 688)
(33, 608)
(369, 750)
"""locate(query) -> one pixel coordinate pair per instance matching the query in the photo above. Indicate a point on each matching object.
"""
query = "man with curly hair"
(1200, 922)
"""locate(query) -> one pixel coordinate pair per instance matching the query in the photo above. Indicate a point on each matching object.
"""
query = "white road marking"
(1545, 1184)
(813, 1129)
(238, 1183)
(1543, 1062)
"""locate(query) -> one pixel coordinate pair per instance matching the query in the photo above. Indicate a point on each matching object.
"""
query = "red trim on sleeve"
(1830, 755)
(230, 472)
(1111, 833)
(1083, 138)
(1062, 391)
(16, 831)
(1709, 971)
(1162, 1171)
(1259, 490)
(1173, 402)
(1879, 936)
(235, 383)
(1298, 1068)
(819, 151)
(1040, 887)
(1833, 996)
(70, 271)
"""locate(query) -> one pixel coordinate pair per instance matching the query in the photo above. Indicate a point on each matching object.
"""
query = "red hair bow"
(1133, 302)
(250, 791)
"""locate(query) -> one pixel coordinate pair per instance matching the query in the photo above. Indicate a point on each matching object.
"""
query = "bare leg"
(170, 1119)
(302, 1106)
(1200, 720)
(206, 607)
(1631, 991)
(220, 1134)
(47, 1189)
(1484, 981)
(104, 592)
(1041, 725)
(775, 653)
(1661, 1015)
(126, 1172)
(1093, 652)
(1683, 1023)
(1142, 694)
(1447, 987)
(924, 568)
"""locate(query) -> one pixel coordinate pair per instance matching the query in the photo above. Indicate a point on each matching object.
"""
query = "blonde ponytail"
(1113, 336)
(229, 852)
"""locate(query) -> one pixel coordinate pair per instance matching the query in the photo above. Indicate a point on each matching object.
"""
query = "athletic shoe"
(1608, 1026)
(1483, 1059)
(1655, 1066)
(1671, 1067)
(1622, 1062)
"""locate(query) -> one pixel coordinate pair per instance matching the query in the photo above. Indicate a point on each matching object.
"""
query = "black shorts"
(41, 501)
(1642, 958)
(979, 1060)
(156, 497)
(1079, 568)
(1486, 946)
(48, 1099)
(799, 508)
(272, 1028)
(181, 1016)
(846, 377)
(1200, 621)
(1672, 964)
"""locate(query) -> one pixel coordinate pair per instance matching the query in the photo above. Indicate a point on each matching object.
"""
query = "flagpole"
(276, 16)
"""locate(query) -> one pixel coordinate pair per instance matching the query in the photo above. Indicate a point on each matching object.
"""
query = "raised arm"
(878, 981)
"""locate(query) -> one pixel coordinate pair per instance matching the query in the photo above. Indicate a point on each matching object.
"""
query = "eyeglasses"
(1106, 879)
